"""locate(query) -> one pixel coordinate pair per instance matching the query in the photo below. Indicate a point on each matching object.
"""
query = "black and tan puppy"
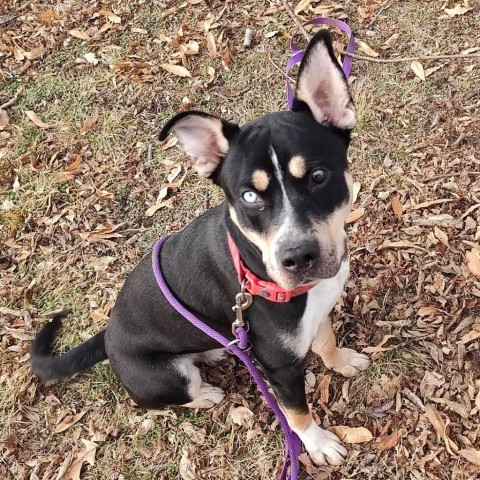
(288, 192)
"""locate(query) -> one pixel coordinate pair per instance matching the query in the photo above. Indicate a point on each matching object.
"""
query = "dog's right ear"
(205, 138)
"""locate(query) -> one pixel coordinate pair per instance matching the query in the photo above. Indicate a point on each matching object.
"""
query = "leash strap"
(292, 442)
(297, 54)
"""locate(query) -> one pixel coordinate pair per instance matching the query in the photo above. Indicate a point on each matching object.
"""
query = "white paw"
(348, 362)
(208, 397)
(324, 448)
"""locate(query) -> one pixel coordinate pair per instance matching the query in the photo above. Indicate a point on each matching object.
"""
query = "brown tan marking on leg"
(345, 361)
(297, 166)
(260, 180)
(296, 419)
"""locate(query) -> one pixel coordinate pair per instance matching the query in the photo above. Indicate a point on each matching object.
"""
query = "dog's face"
(285, 174)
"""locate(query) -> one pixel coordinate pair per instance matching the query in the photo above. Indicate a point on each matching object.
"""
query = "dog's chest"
(320, 301)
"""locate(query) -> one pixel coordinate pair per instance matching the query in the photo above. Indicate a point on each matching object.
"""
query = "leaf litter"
(75, 218)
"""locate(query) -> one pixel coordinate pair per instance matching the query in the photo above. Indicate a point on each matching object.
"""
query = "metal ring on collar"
(236, 342)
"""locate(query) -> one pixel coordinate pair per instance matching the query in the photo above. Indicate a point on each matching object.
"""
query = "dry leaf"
(418, 70)
(457, 10)
(35, 53)
(397, 207)
(426, 311)
(306, 462)
(47, 16)
(242, 416)
(4, 119)
(352, 435)
(442, 236)
(440, 426)
(187, 468)
(74, 165)
(91, 58)
(68, 421)
(355, 215)
(473, 261)
(79, 34)
(355, 191)
(87, 455)
(400, 244)
(473, 456)
(212, 48)
(111, 16)
(36, 119)
(176, 70)
(174, 173)
(302, 5)
(366, 49)
(387, 443)
(429, 71)
(380, 347)
(89, 122)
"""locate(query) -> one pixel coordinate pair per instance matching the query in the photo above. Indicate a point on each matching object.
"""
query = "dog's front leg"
(345, 361)
(289, 386)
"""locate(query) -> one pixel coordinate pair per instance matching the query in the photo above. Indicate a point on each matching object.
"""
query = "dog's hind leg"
(168, 380)
(345, 361)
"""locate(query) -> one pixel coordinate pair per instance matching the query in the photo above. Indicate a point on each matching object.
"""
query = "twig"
(448, 175)
(297, 22)
(380, 10)
(10, 102)
(7, 18)
(355, 56)
(465, 56)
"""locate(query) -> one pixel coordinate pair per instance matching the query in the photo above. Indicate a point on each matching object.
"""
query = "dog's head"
(285, 175)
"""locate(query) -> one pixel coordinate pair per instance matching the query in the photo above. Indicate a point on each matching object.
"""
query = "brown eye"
(318, 176)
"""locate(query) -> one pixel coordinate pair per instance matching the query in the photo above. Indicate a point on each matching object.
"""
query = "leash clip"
(243, 300)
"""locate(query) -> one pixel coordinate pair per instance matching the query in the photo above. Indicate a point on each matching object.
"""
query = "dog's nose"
(300, 258)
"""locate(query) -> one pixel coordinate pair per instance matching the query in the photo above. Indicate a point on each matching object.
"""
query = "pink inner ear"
(323, 88)
(203, 140)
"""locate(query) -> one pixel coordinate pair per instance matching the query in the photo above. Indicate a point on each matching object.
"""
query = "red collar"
(268, 290)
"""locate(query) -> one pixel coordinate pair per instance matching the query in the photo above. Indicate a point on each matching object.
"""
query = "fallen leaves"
(176, 70)
(473, 456)
(366, 49)
(79, 34)
(440, 427)
(397, 207)
(418, 69)
(473, 261)
(457, 10)
(89, 122)
(87, 455)
(352, 434)
(36, 119)
(354, 215)
(69, 421)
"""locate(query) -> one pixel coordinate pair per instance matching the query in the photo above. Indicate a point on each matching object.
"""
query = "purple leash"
(298, 54)
(292, 442)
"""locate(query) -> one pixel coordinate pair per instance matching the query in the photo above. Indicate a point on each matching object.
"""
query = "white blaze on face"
(286, 224)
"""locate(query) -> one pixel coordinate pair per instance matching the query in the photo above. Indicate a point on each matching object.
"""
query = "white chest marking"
(320, 301)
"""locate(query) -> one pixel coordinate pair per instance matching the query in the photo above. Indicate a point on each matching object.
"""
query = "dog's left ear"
(322, 85)
(204, 137)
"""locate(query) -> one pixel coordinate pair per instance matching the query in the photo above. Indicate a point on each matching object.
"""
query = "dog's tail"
(51, 369)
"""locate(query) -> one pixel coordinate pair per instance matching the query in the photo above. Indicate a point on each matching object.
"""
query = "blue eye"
(250, 196)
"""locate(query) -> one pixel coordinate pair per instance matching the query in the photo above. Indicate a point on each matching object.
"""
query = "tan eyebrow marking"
(260, 180)
(297, 166)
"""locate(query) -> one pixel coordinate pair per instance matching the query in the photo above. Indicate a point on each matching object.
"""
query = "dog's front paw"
(348, 362)
(326, 448)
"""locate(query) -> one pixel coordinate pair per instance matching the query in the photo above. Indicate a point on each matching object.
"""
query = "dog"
(288, 192)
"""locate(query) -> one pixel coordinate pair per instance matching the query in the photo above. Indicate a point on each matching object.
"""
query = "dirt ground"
(86, 188)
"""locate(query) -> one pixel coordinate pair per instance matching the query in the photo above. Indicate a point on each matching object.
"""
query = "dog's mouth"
(328, 268)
